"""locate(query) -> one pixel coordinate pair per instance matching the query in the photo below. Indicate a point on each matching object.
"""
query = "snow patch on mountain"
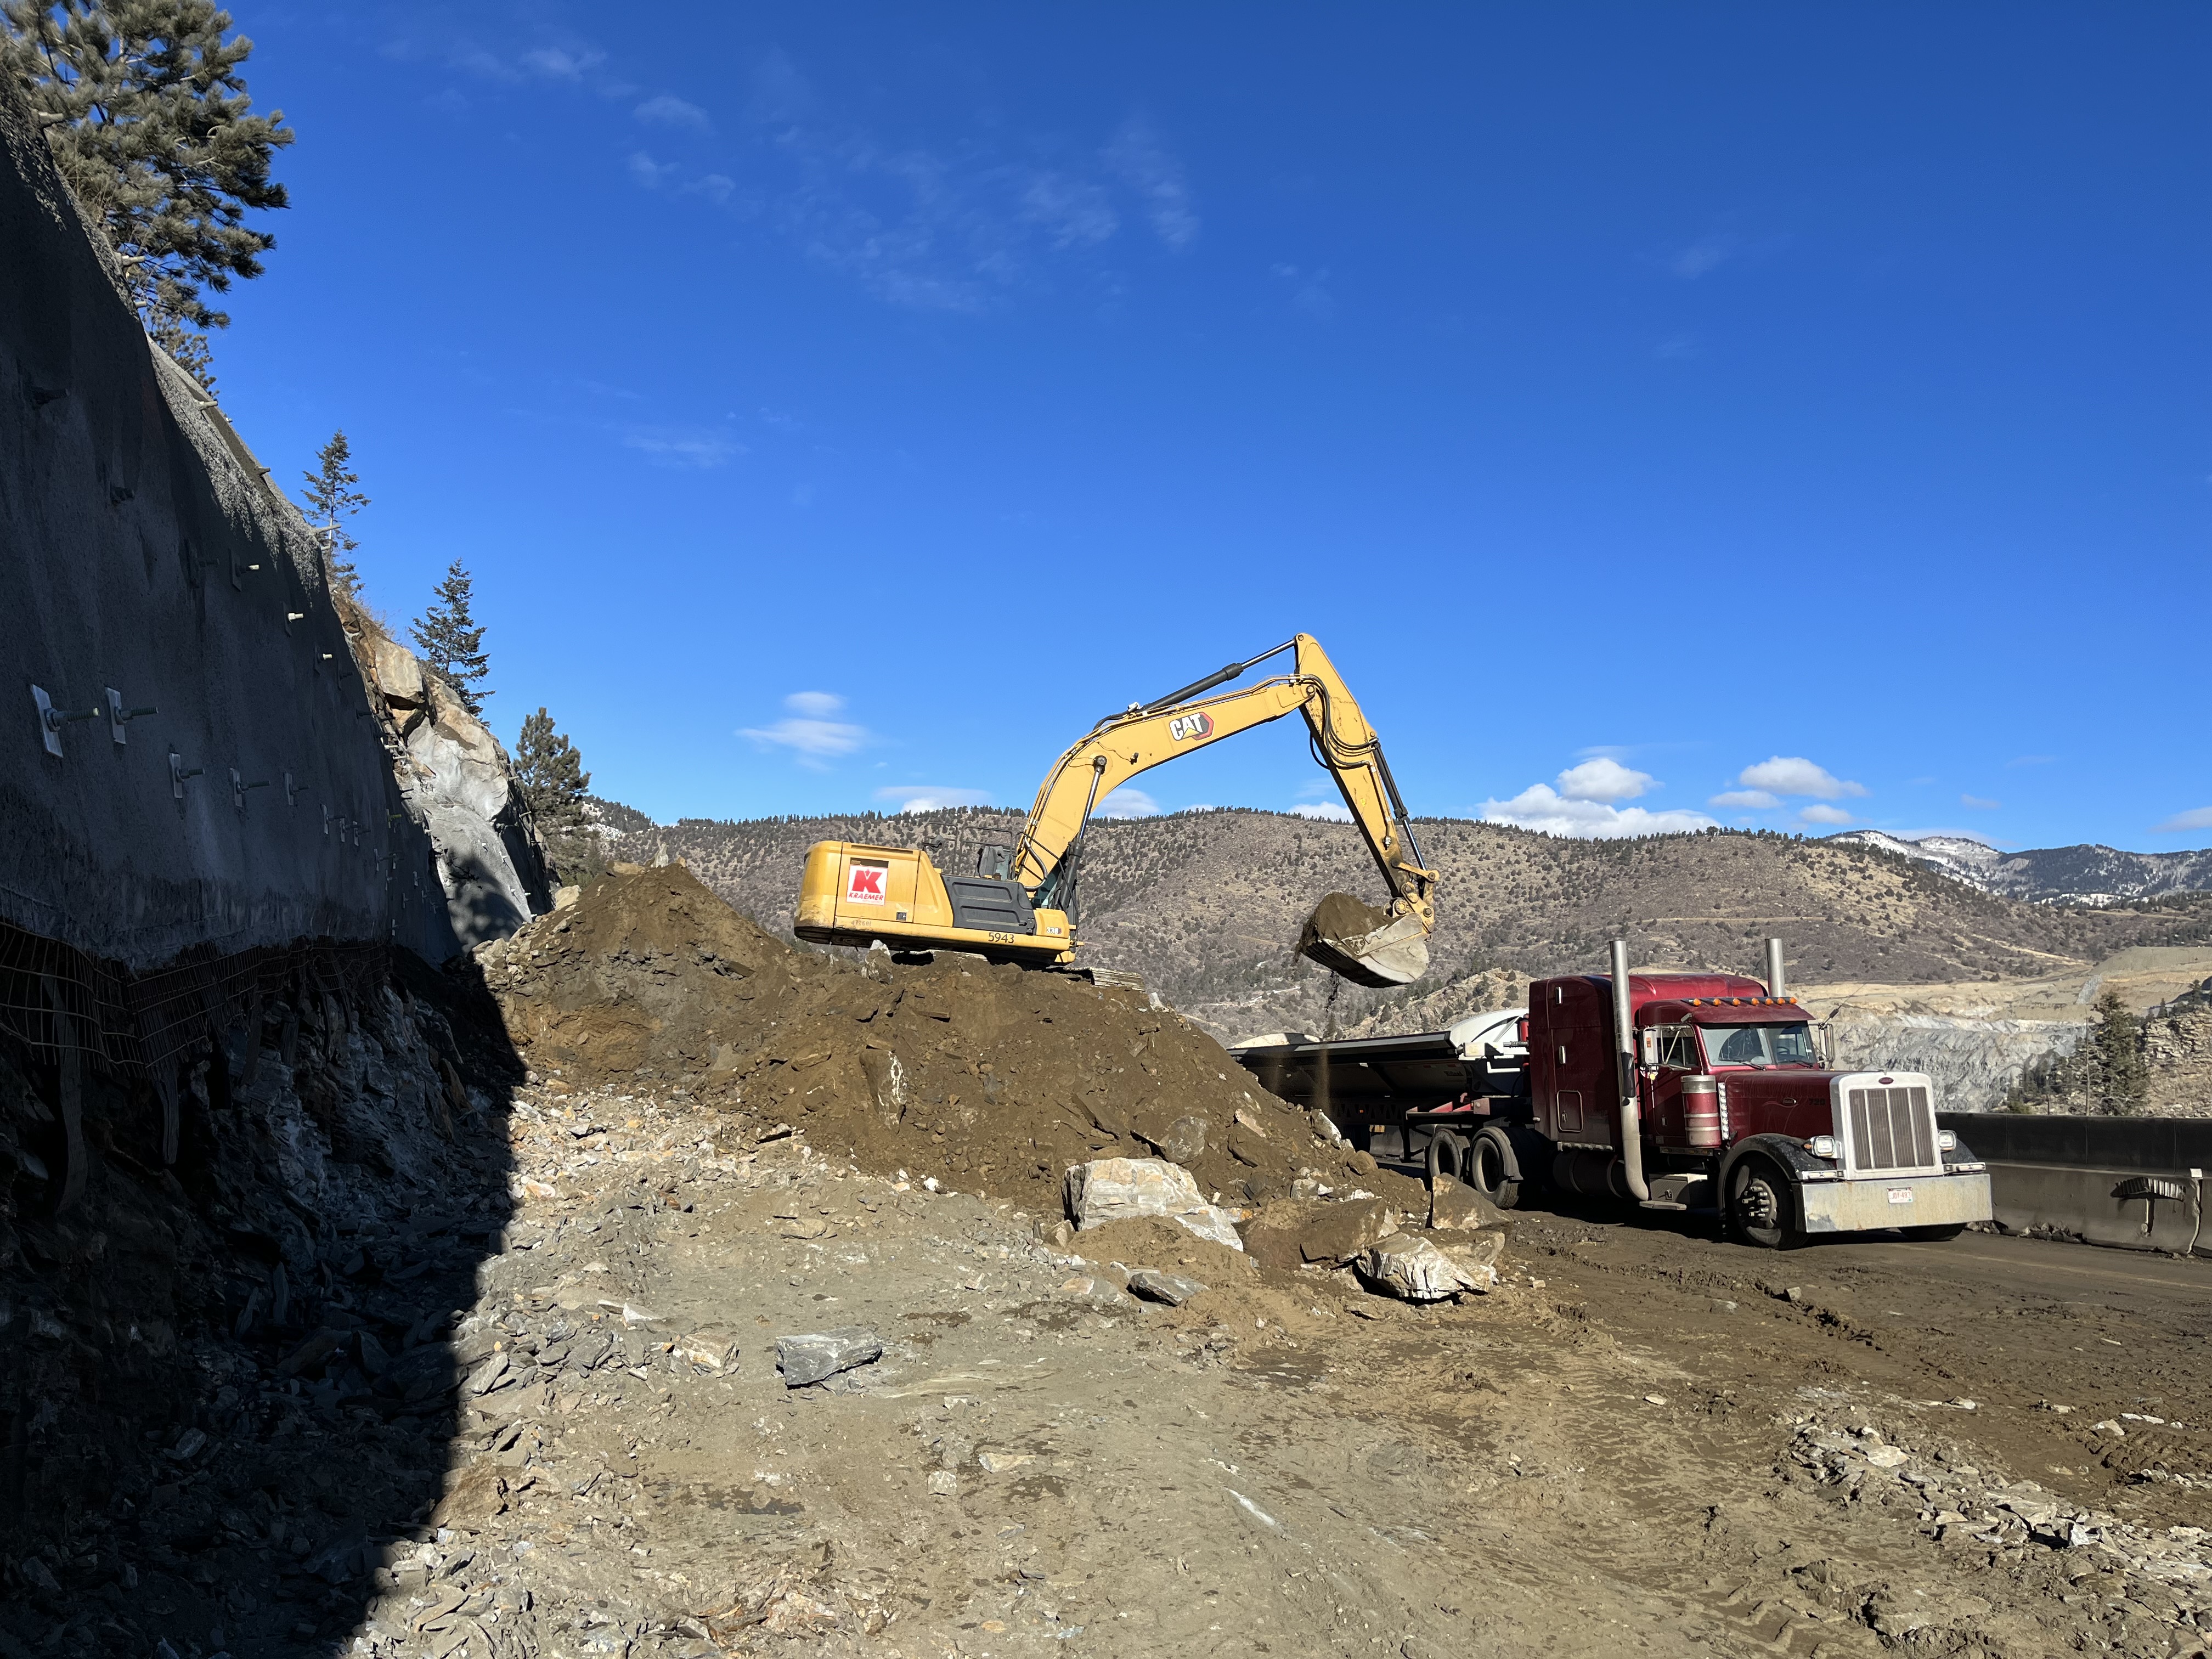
(2086, 874)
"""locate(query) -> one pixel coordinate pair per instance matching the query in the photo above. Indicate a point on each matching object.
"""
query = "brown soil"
(990, 1079)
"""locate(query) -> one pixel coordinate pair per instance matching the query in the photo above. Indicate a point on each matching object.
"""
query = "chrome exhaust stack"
(1631, 1112)
(1775, 987)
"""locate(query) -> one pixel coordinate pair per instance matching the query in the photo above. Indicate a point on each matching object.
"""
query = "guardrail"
(2136, 1182)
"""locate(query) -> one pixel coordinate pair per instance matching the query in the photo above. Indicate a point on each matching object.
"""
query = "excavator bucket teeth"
(1363, 944)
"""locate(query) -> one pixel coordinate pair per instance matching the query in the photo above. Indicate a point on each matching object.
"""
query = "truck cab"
(1738, 1109)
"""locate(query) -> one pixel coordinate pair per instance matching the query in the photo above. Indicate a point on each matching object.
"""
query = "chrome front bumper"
(1861, 1205)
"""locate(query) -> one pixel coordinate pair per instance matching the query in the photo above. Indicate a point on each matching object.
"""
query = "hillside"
(1207, 905)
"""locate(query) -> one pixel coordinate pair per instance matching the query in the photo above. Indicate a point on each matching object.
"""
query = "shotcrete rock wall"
(148, 565)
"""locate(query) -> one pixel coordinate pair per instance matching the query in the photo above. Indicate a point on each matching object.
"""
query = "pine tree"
(149, 123)
(2124, 1077)
(331, 500)
(551, 777)
(452, 641)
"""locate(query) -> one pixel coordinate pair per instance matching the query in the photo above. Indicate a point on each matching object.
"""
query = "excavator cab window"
(994, 861)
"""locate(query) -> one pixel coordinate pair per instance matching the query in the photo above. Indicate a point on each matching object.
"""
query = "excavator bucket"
(1363, 944)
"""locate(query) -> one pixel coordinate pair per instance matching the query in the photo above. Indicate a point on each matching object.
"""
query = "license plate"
(1900, 1194)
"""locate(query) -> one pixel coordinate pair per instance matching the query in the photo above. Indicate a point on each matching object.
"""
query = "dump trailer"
(1709, 1093)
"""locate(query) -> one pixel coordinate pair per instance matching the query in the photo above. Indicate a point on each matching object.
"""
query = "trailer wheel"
(1492, 1170)
(1447, 1155)
(1762, 1205)
(1940, 1233)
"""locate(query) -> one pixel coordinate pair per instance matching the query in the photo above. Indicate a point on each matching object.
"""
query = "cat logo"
(1190, 725)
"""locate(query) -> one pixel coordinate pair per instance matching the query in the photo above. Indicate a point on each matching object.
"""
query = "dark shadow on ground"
(227, 1384)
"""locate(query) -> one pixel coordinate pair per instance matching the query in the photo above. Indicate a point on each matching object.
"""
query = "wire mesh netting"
(56, 1000)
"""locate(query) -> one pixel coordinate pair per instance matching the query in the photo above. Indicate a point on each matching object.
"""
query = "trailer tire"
(1447, 1155)
(1762, 1205)
(1493, 1171)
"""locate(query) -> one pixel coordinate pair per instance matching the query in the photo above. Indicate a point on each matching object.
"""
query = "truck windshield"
(1761, 1045)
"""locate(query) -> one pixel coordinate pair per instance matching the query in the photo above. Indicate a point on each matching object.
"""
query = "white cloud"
(647, 173)
(559, 64)
(930, 797)
(1604, 779)
(673, 447)
(1976, 801)
(1126, 803)
(1541, 807)
(668, 111)
(1792, 774)
(1824, 815)
(1756, 799)
(813, 737)
(1143, 163)
(1327, 812)
(2198, 817)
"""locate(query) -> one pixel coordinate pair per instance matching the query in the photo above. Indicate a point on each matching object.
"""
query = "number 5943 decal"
(1190, 725)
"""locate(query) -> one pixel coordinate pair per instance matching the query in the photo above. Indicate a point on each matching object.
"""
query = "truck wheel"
(1493, 1170)
(1939, 1234)
(1762, 1206)
(1447, 1155)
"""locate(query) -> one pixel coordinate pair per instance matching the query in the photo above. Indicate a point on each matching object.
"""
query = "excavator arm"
(1372, 946)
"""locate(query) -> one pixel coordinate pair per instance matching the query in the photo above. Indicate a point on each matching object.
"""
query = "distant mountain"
(1207, 905)
(610, 819)
(2051, 875)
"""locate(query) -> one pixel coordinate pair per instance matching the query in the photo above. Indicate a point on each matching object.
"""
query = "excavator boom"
(1386, 945)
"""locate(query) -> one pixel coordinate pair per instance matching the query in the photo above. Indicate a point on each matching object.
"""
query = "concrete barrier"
(2134, 1182)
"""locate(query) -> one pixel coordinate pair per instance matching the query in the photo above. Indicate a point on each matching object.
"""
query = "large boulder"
(1298, 1232)
(1123, 1188)
(1410, 1266)
(1454, 1207)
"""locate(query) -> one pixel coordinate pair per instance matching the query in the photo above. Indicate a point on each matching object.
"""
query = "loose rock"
(819, 1355)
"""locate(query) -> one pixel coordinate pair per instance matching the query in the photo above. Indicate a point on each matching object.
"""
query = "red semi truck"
(1695, 1093)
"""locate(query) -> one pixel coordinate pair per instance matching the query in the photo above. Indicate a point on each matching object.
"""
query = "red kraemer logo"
(863, 883)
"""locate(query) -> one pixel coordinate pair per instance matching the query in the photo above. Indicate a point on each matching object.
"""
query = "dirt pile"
(989, 1079)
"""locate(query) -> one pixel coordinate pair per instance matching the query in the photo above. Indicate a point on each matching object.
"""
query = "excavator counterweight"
(1025, 909)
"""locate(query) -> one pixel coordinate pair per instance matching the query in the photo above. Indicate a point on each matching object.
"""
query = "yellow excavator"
(1021, 904)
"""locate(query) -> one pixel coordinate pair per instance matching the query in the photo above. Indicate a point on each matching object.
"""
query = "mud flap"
(1363, 944)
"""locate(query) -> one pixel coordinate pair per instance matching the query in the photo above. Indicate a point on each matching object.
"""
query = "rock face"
(1123, 1188)
(460, 783)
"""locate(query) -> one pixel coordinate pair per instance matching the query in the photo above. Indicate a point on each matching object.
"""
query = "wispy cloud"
(562, 62)
(1071, 212)
(1706, 254)
(1821, 814)
(675, 447)
(1325, 812)
(2197, 818)
(666, 110)
(1138, 158)
(1308, 290)
(1752, 799)
(1979, 805)
(811, 737)
(932, 797)
(2031, 760)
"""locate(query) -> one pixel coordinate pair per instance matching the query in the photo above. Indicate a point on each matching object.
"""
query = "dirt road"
(1645, 1440)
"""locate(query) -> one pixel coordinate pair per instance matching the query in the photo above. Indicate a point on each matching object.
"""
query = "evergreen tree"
(149, 123)
(2124, 1075)
(332, 499)
(452, 641)
(551, 777)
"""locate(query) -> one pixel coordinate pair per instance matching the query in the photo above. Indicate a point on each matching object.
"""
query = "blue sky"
(1664, 415)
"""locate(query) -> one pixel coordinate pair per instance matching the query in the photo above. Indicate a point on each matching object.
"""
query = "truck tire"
(1943, 1232)
(1493, 1171)
(1448, 1155)
(1762, 1205)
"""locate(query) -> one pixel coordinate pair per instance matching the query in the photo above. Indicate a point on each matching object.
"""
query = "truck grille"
(1892, 1129)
